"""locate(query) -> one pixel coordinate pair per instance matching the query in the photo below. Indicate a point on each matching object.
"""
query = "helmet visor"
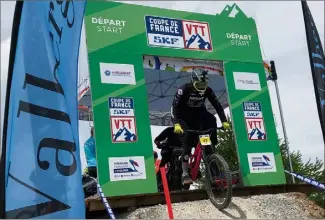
(200, 86)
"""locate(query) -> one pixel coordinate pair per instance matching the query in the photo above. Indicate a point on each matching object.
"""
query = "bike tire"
(174, 177)
(220, 160)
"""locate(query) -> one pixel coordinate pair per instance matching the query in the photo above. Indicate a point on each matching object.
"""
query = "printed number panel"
(205, 140)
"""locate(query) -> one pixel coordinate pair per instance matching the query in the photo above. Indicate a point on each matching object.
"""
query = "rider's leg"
(187, 144)
(165, 156)
(185, 157)
(210, 121)
(92, 171)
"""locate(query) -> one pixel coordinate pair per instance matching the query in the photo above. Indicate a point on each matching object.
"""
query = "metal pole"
(283, 127)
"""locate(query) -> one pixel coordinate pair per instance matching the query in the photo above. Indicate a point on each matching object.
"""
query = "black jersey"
(188, 102)
(170, 137)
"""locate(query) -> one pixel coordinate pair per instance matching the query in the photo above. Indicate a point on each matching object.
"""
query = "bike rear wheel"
(218, 181)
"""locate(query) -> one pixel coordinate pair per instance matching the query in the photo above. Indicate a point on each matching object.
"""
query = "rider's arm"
(216, 104)
(175, 111)
(162, 136)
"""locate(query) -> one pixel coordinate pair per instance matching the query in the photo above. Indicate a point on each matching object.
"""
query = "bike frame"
(196, 157)
(195, 160)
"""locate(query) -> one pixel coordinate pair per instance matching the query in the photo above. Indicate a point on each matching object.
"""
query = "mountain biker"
(165, 141)
(90, 152)
(189, 112)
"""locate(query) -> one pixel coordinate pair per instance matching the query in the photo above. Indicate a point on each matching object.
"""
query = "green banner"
(118, 36)
(254, 127)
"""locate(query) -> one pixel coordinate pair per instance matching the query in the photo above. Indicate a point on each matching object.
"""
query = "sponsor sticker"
(178, 33)
(261, 162)
(254, 121)
(126, 168)
(122, 119)
(247, 81)
(114, 73)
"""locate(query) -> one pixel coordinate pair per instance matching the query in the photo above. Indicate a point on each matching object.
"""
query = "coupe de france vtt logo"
(122, 118)
(197, 35)
(254, 121)
(178, 33)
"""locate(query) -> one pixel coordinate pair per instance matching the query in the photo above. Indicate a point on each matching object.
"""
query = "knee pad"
(185, 158)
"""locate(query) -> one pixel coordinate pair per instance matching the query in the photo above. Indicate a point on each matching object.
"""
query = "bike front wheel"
(218, 181)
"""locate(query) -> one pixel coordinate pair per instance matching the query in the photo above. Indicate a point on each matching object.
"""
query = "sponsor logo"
(122, 119)
(254, 121)
(126, 168)
(261, 162)
(197, 35)
(177, 33)
(166, 40)
(117, 73)
(255, 129)
(247, 81)
(106, 25)
(107, 73)
(113, 73)
(239, 40)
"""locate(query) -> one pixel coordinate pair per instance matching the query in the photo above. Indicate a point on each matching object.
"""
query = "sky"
(282, 36)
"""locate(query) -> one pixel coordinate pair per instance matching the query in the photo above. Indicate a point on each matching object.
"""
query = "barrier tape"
(307, 180)
(104, 200)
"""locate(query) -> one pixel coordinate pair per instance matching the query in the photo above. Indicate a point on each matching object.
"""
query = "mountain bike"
(174, 172)
(218, 178)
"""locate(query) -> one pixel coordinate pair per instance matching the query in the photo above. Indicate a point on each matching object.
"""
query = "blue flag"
(317, 63)
(42, 166)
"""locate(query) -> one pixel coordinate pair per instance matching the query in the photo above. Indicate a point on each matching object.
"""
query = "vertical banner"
(317, 63)
(42, 168)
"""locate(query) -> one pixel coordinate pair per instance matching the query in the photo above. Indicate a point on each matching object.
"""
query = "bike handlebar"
(207, 131)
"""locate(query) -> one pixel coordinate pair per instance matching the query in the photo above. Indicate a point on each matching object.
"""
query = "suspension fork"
(205, 156)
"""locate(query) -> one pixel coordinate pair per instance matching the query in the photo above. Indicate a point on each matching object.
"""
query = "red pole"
(166, 191)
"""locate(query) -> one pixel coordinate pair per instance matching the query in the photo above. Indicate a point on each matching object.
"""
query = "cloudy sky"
(282, 36)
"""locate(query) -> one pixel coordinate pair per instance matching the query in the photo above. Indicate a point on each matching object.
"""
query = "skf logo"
(165, 40)
(197, 35)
